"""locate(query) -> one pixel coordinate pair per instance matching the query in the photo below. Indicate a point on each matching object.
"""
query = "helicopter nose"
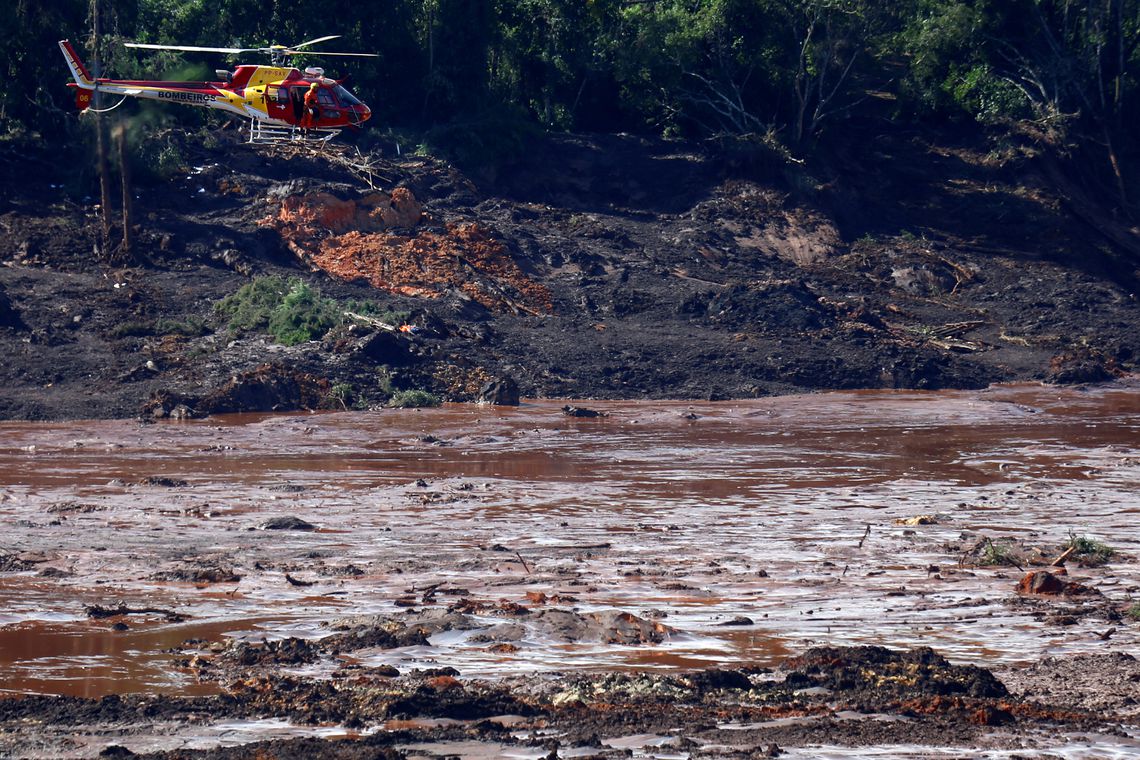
(363, 113)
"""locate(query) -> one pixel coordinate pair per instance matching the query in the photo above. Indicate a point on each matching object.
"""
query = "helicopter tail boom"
(79, 72)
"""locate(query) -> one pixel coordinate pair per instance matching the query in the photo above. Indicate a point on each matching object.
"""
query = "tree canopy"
(791, 69)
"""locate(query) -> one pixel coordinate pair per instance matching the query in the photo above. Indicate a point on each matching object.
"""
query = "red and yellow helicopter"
(271, 97)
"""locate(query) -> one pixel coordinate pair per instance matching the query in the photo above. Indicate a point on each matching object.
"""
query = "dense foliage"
(789, 69)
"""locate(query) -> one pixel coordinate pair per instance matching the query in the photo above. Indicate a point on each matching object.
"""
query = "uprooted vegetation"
(989, 551)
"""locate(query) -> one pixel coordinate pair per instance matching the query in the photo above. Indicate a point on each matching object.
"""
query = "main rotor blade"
(322, 53)
(190, 48)
(314, 42)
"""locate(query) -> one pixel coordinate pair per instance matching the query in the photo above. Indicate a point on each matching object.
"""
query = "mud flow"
(658, 537)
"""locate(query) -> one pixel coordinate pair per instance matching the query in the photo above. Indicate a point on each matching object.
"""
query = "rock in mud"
(287, 523)
(503, 391)
(715, 678)
(1044, 583)
(382, 347)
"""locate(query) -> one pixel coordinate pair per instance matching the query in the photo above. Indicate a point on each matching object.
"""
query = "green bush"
(290, 311)
(303, 315)
(251, 306)
(413, 398)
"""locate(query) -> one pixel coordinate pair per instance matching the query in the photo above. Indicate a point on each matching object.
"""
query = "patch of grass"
(1133, 612)
(413, 398)
(132, 330)
(384, 380)
(191, 327)
(1089, 551)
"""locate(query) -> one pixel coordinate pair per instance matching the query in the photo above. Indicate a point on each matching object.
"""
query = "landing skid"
(262, 134)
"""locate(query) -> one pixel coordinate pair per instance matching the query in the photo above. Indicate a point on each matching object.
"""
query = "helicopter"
(271, 97)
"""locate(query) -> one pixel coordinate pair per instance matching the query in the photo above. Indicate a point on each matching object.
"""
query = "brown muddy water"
(781, 511)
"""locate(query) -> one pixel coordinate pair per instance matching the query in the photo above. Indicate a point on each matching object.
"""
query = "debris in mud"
(99, 612)
(289, 651)
(877, 674)
(1082, 364)
(298, 582)
(917, 520)
(163, 482)
(193, 573)
(15, 563)
(580, 411)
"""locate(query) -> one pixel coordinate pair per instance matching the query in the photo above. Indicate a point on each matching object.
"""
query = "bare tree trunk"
(100, 136)
(125, 180)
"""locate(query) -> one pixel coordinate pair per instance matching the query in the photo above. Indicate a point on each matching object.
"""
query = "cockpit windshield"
(345, 97)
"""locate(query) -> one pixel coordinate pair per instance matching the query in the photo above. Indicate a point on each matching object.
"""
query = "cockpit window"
(346, 97)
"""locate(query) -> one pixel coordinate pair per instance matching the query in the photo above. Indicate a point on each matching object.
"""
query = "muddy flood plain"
(504, 545)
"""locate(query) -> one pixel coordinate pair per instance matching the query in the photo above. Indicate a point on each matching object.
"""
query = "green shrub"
(413, 398)
(1133, 612)
(290, 311)
(302, 315)
(251, 306)
(191, 327)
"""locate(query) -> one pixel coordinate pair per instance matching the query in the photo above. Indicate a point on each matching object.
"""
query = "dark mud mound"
(877, 674)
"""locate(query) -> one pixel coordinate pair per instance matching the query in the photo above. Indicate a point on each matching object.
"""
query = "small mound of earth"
(1100, 683)
(609, 627)
(412, 629)
(880, 673)
(198, 574)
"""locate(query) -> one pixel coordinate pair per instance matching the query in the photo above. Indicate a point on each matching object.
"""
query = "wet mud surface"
(853, 574)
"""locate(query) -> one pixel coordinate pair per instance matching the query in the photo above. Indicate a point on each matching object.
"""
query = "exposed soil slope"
(601, 266)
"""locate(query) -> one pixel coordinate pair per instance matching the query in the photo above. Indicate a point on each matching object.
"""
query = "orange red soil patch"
(373, 238)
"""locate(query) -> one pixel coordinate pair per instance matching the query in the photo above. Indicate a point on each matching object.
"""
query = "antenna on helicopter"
(278, 54)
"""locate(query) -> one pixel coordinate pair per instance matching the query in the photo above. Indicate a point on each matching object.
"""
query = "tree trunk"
(127, 250)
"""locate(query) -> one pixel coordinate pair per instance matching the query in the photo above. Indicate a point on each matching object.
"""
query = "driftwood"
(1064, 556)
(98, 611)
